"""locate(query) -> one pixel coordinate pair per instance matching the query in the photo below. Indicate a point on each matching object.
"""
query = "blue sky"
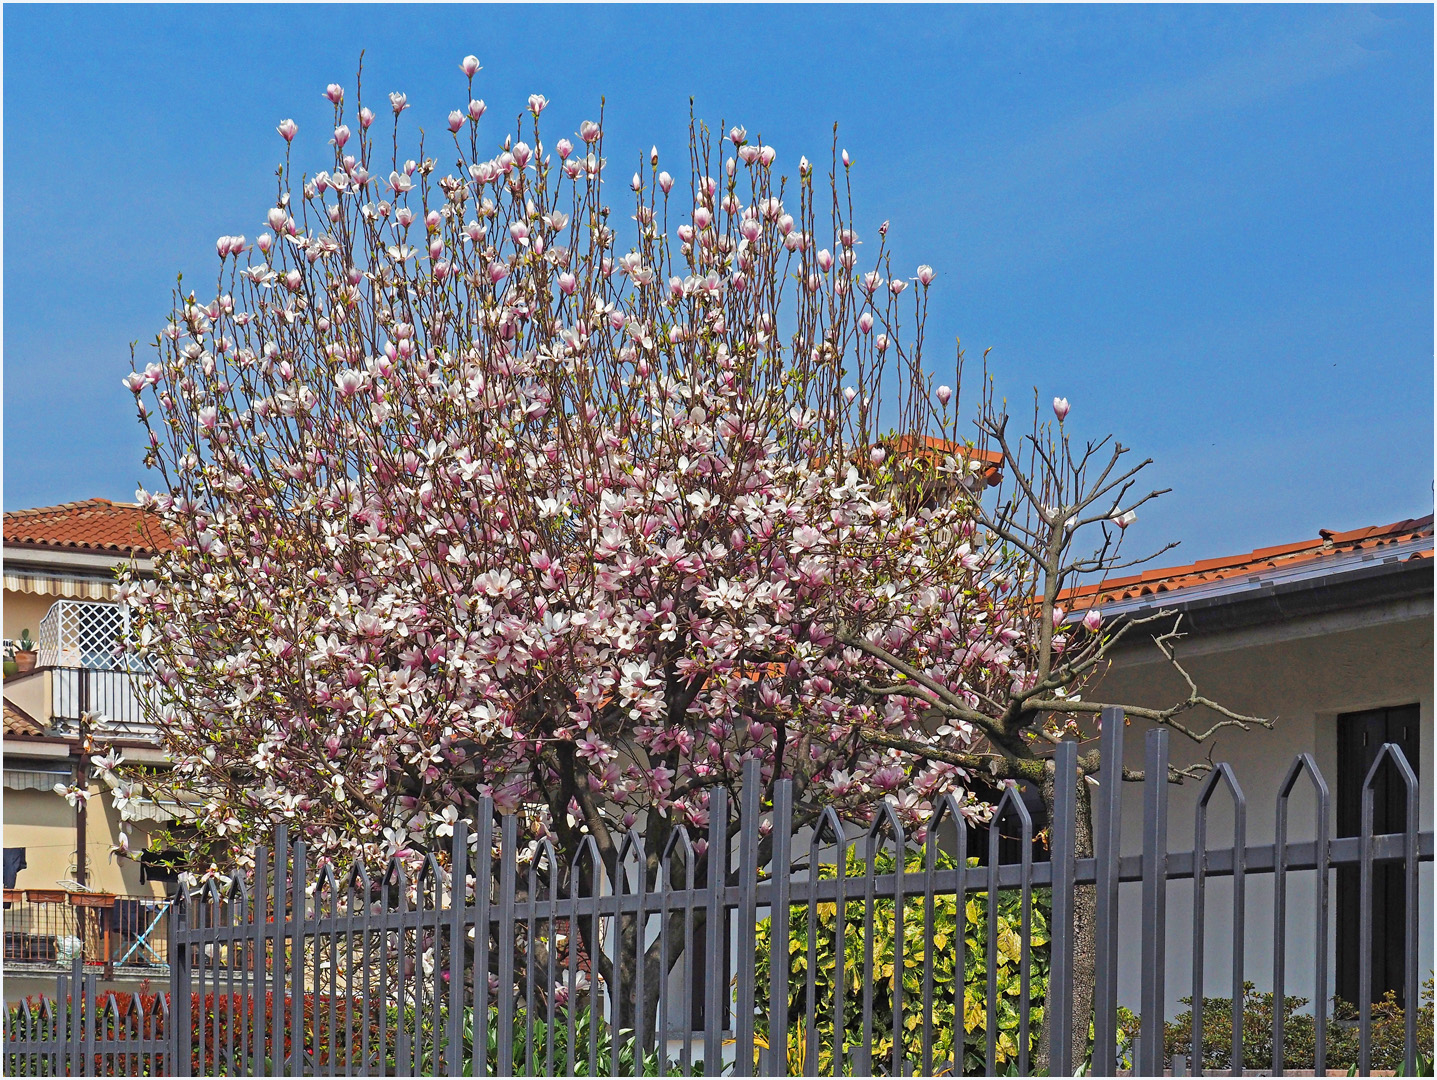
(1210, 228)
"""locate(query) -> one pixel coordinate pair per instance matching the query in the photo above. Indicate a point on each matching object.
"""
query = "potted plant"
(26, 653)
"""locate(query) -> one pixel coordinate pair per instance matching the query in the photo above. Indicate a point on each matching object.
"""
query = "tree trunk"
(1085, 924)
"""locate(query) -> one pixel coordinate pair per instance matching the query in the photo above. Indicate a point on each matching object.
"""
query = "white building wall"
(1302, 675)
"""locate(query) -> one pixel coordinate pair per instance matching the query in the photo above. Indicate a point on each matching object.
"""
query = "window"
(1359, 737)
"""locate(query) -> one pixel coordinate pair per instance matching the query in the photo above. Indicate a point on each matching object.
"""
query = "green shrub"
(1299, 1038)
(886, 973)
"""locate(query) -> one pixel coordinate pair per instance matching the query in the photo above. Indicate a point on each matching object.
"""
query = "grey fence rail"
(506, 962)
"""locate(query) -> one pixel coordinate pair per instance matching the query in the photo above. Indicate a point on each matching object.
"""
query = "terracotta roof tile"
(91, 525)
(1326, 545)
(19, 722)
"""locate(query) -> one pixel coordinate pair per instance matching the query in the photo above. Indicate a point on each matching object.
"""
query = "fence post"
(1059, 1011)
(483, 885)
(1107, 846)
(90, 1022)
(508, 854)
(180, 1004)
(747, 918)
(1155, 902)
(715, 940)
(779, 924)
(454, 1028)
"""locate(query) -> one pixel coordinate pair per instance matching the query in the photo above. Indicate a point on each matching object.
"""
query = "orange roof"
(1327, 544)
(19, 722)
(91, 525)
(932, 449)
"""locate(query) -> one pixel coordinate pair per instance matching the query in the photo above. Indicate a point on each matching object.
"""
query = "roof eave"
(1246, 604)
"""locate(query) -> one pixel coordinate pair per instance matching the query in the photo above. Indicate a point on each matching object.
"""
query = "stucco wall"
(44, 825)
(1302, 676)
(23, 611)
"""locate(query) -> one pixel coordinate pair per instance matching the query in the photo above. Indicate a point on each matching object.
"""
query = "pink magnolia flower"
(288, 129)
(334, 92)
(1060, 408)
(469, 65)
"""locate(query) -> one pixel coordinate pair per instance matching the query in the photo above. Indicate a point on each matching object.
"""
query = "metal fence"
(828, 952)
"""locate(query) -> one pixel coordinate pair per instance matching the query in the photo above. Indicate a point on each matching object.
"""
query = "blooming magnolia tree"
(479, 486)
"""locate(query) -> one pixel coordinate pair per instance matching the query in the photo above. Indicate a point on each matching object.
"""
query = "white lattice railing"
(87, 634)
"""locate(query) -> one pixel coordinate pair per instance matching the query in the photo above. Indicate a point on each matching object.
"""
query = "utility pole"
(83, 779)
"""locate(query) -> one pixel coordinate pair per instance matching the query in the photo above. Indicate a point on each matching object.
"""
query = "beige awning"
(149, 810)
(75, 588)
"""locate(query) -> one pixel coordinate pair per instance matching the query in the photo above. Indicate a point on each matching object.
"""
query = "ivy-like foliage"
(885, 973)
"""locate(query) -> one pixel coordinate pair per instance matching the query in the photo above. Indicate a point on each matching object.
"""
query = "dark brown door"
(1359, 738)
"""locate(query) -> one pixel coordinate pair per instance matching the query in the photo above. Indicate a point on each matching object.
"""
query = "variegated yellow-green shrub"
(945, 958)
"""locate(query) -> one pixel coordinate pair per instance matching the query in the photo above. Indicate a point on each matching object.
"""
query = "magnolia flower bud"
(926, 274)
(1058, 615)
(1060, 408)
(276, 218)
(334, 92)
(564, 146)
(865, 322)
(654, 156)
(288, 129)
(341, 135)
(477, 109)
(637, 183)
(1092, 620)
(846, 162)
(432, 220)
(469, 65)
(456, 120)
(567, 284)
(666, 182)
(264, 241)
(537, 103)
(849, 393)
(366, 117)
(877, 455)
(944, 393)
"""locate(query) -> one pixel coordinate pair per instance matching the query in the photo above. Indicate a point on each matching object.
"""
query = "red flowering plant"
(480, 486)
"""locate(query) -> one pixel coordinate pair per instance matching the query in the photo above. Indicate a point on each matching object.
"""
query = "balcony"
(48, 929)
(90, 667)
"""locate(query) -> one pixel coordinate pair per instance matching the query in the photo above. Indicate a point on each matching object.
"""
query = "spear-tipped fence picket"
(295, 973)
